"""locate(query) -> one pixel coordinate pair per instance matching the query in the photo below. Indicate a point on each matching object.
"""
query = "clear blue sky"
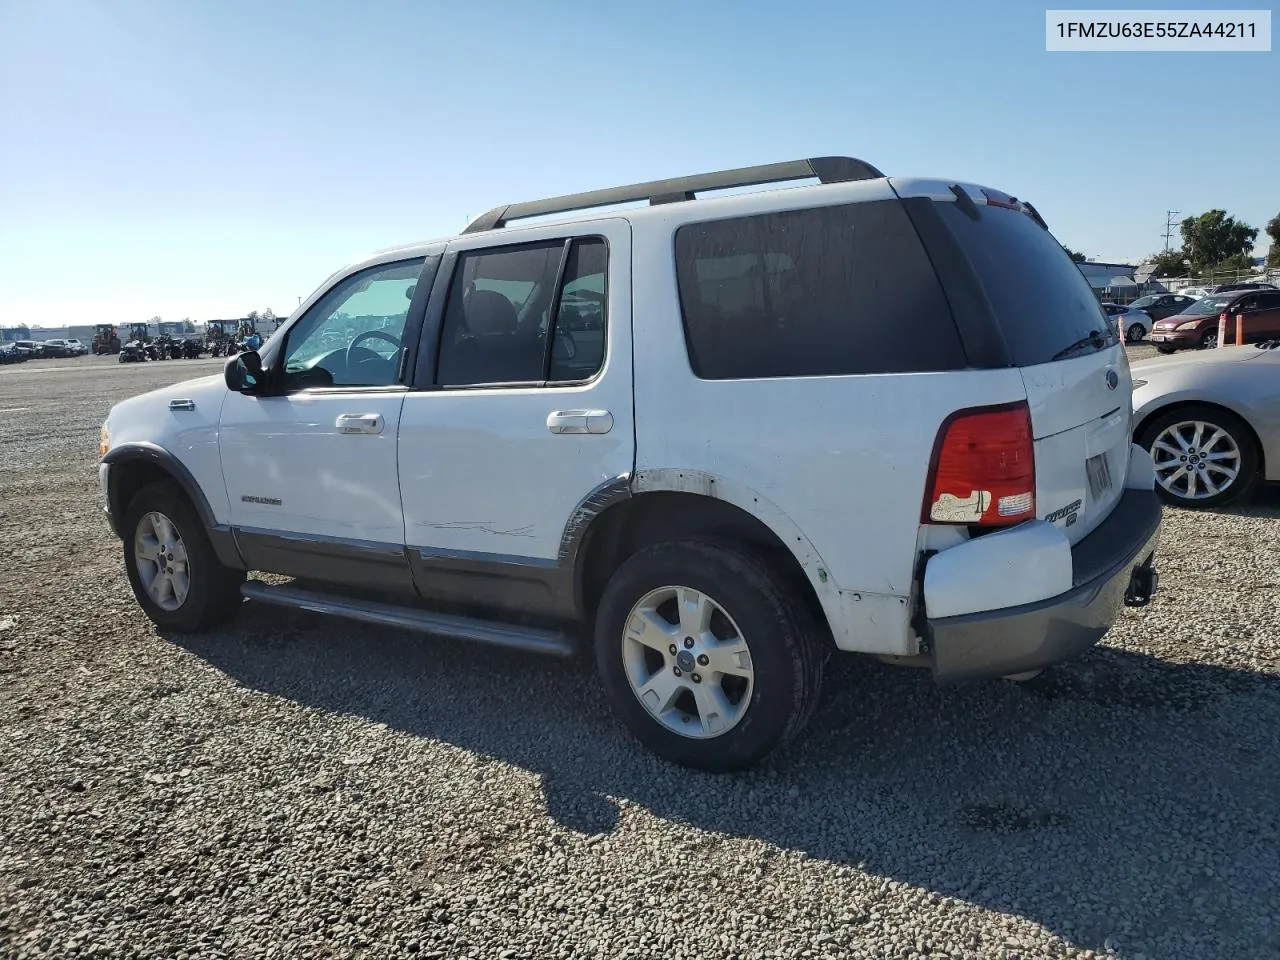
(200, 158)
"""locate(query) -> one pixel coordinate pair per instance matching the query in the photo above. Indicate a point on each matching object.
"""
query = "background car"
(9, 354)
(28, 348)
(1211, 422)
(1157, 306)
(1135, 324)
(56, 348)
(1197, 326)
(77, 348)
(1195, 293)
(1228, 287)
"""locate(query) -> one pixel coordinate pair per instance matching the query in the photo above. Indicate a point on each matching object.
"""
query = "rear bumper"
(1028, 637)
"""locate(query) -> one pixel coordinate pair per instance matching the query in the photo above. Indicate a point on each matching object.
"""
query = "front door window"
(352, 336)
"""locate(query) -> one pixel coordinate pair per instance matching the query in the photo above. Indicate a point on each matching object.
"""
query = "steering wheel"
(370, 335)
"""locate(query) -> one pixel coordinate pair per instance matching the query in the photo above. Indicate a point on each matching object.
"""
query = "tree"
(1075, 255)
(253, 315)
(1167, 263)
(1211, 238)
(1273, 231)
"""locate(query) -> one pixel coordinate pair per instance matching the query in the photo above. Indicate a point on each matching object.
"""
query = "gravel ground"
(291, 787)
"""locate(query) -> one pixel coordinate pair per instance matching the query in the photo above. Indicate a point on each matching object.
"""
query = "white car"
(1135, 323)
(77, 348)
(722, 437)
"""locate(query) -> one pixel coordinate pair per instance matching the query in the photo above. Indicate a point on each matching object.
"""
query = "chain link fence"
(1192, 285)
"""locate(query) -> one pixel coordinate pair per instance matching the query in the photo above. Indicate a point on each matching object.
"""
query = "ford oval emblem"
(1112, 380)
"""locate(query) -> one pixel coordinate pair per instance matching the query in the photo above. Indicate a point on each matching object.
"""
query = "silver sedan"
(1211, 421)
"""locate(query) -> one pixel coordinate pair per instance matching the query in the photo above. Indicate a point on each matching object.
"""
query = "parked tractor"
(221, 337)
(106, 340)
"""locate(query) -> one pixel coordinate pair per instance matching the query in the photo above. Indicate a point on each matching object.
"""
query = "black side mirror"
(243, 373)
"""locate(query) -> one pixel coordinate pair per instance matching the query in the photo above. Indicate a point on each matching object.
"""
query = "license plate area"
(1098, 471)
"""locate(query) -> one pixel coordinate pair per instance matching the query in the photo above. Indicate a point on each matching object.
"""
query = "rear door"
(521, 412)
(1072, 363)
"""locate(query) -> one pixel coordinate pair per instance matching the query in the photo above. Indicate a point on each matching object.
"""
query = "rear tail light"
(997, 199)
(983, 468)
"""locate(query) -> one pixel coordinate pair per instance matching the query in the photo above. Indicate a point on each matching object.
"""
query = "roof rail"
(826, 169)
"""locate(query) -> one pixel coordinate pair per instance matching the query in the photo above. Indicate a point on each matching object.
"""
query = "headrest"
(489, 312)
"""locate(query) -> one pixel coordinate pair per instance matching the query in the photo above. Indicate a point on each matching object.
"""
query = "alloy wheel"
(161, 558)
(1195, 459)
(687, 662)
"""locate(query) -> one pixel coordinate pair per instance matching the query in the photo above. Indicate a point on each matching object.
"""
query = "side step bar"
(514, 636)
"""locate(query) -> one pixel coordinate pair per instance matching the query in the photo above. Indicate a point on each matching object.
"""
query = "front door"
(521, 412)
(310, 467)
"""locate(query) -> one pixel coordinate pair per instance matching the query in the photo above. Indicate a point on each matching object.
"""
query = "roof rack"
(676, 189)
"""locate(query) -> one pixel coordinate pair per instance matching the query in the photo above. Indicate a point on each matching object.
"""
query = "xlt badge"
(1069, 510)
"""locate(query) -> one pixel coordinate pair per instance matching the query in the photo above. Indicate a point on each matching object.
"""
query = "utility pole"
(1168, 227)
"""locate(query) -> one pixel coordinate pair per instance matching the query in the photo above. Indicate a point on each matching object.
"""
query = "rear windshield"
(1042, 302)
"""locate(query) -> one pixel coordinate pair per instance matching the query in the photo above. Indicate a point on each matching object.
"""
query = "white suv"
(723, 436)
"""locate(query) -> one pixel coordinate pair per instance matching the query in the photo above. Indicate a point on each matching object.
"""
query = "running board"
(514, 636)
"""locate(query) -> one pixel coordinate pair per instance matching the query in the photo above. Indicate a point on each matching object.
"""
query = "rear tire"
(1135, 333)
(172, 568)
(1227, 456)
(674, 612)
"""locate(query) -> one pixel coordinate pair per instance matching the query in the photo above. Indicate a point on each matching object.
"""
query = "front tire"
(174, 573)
(1204, 457)
(708, 654)
(1209, 341)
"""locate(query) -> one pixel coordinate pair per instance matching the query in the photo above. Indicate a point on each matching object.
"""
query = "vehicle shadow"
(1101, 799)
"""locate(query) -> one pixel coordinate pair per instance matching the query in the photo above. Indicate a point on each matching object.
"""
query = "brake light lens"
(997, 199)
(983, 470)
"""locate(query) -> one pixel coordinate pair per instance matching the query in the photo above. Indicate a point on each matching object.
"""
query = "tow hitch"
(1143, 583)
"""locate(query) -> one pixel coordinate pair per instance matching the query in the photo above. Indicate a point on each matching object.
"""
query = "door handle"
(580, 421)
(359, 423)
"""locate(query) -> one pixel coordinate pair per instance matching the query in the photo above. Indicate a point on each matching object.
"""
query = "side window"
(578, 351)
(351, 337)
(1248, 303)
(512, 318)
(821, 292)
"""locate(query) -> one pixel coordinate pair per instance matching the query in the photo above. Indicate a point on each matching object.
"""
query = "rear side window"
(827, 291)
(1042, 303)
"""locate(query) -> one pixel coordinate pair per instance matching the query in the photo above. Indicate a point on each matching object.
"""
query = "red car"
(1197, 326)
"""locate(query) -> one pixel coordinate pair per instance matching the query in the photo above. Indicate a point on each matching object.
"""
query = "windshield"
(1207, 306)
